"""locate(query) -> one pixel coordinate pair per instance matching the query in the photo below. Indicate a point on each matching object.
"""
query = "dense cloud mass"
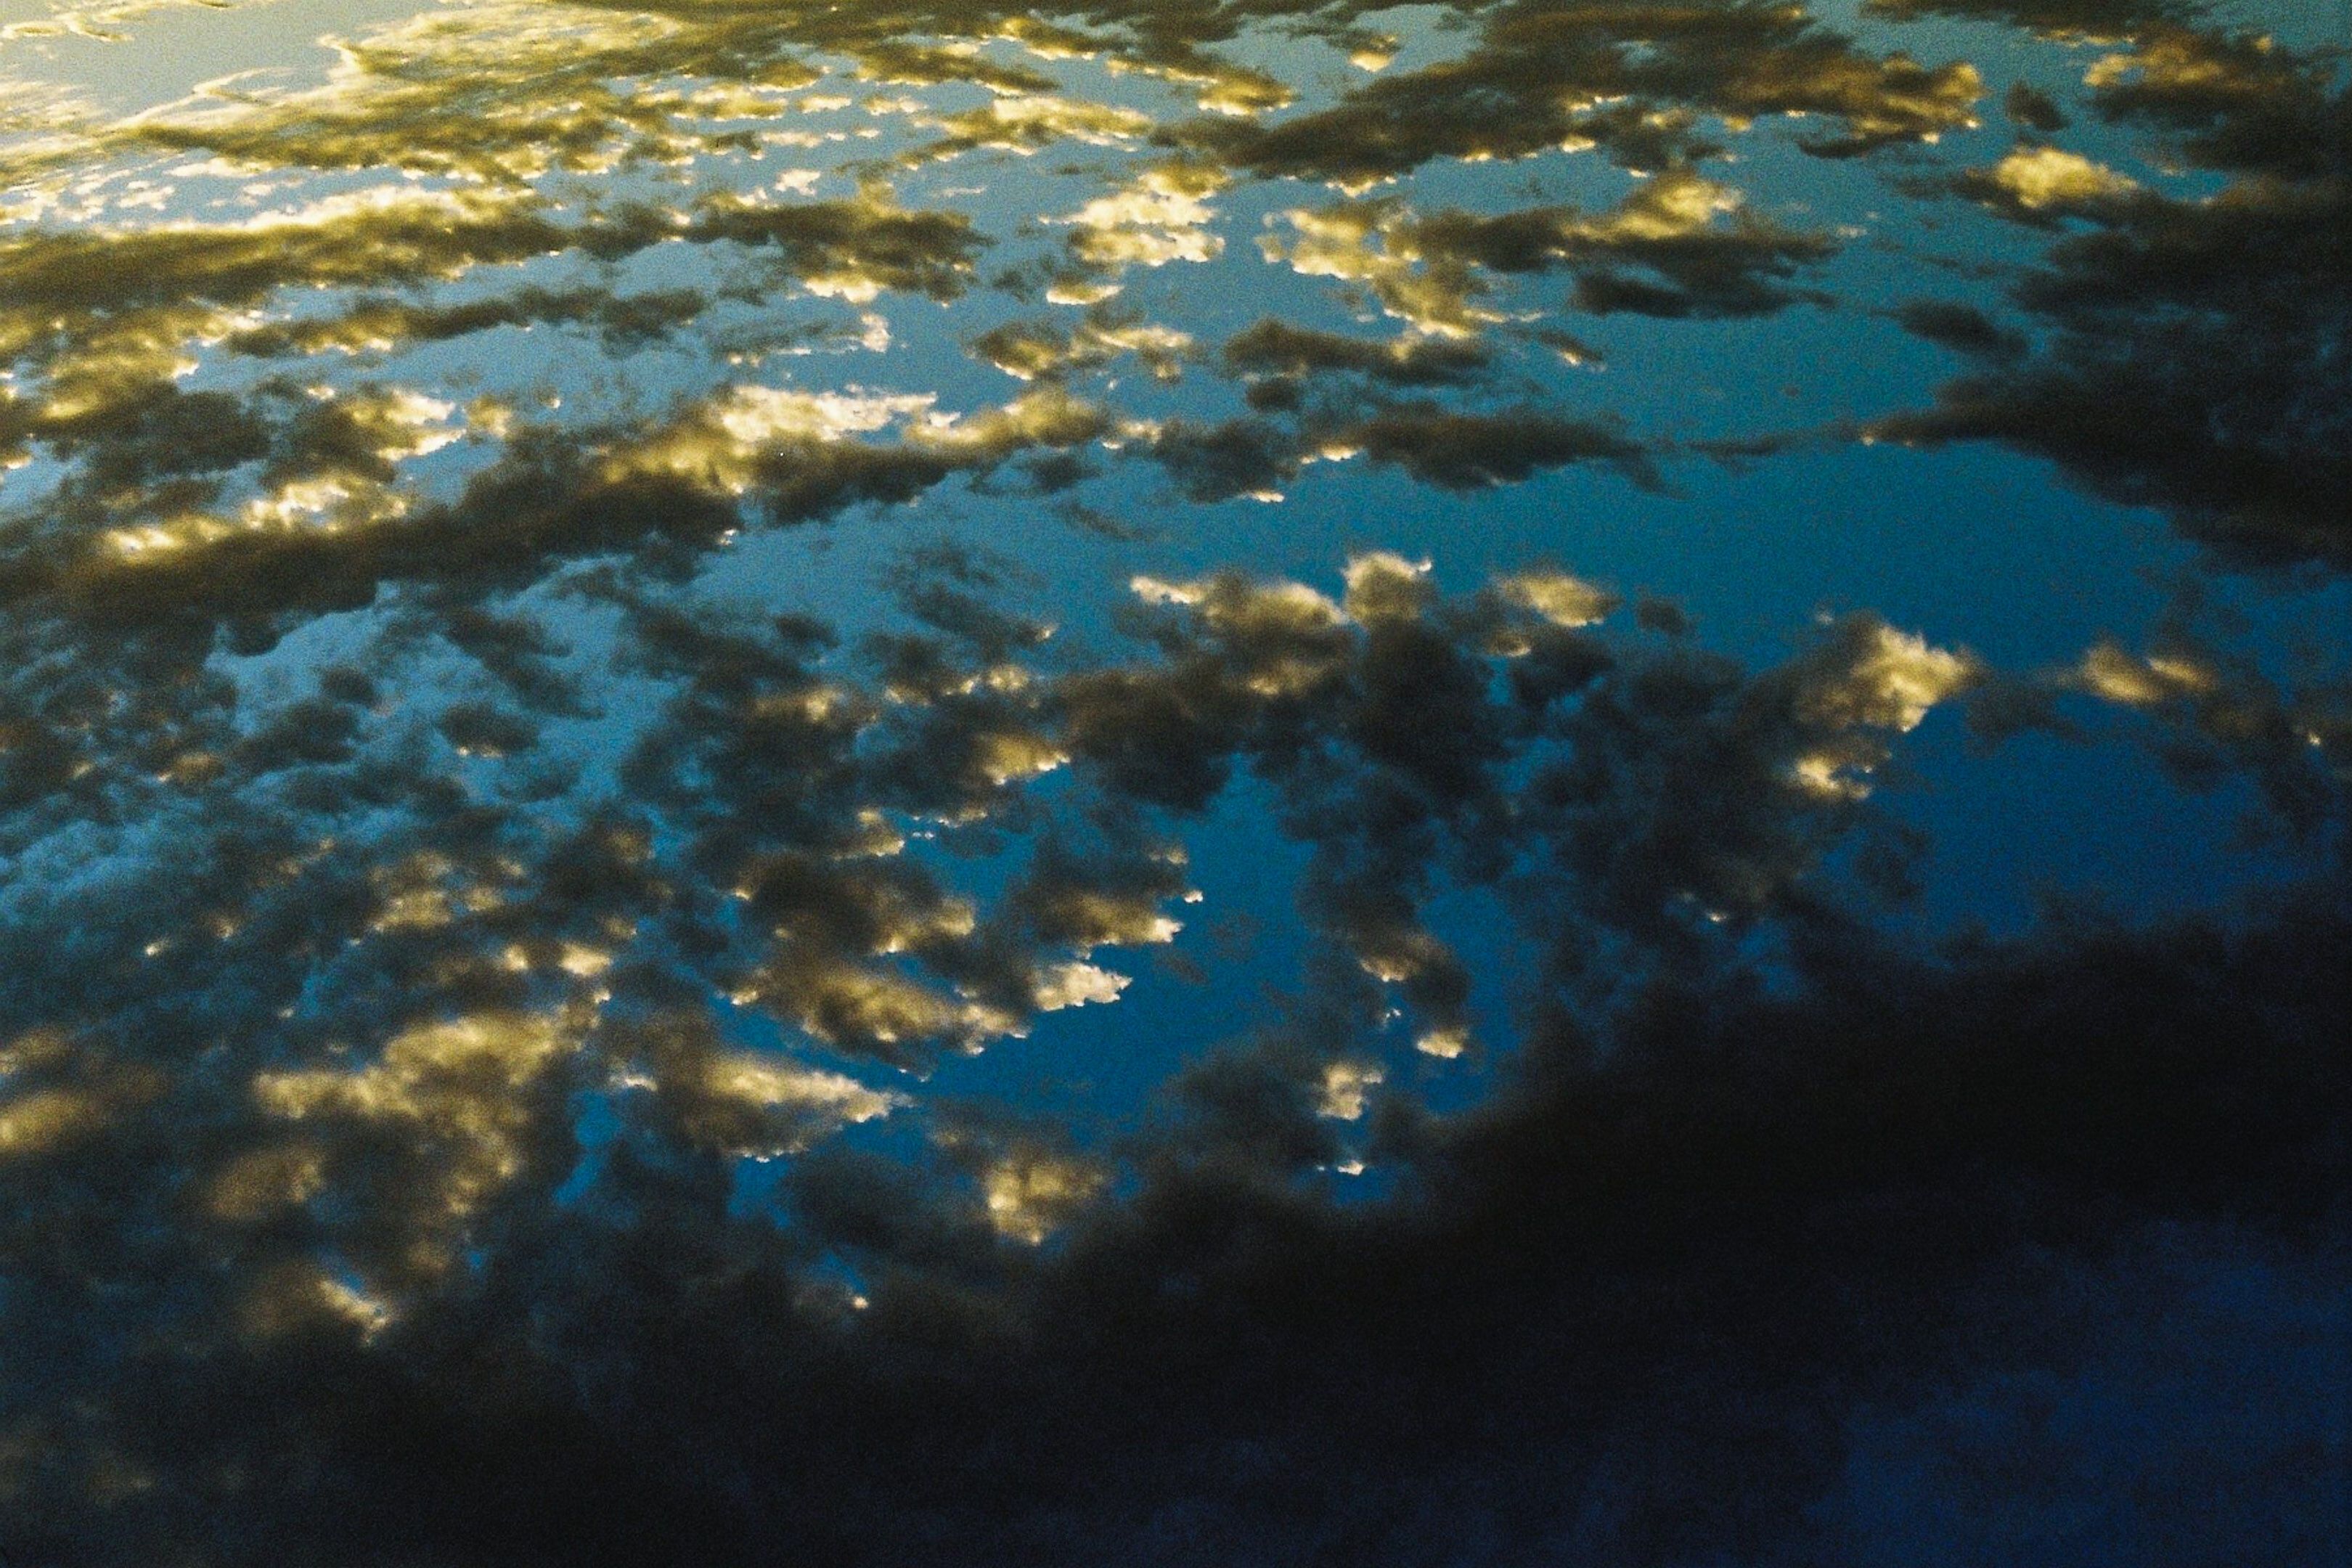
(2194, 347)
(364, 1232)
(684, 877)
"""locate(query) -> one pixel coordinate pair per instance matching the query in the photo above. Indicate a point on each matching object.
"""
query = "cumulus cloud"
(1034, 351)
(1376, 246)
(1276, 350)
(1677, 244)
(1633, 83)
(2045, 182)
(1666, 250)
(1162, 217)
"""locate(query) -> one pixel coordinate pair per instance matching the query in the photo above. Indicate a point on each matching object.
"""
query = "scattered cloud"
(484, 997)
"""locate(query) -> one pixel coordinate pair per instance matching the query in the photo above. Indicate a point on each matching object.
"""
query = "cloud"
(1161, 216)
(1961, 328)
(1274, 348)
(1031, 1192)
(2039, 184)
(1007, 1315)
(2186, 337)
(1662, 251)
(2033, 109)
(1471, 451)
(2217, 717)
(1633, 82)
(1033, 350)
(1376, 245)
(1253, 454)
(384, 326)
(481, 985)
(740, 1103)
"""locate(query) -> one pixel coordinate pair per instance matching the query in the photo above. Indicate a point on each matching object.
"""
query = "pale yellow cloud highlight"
(462, 1092)
(2040, 177)
(1029, 1194)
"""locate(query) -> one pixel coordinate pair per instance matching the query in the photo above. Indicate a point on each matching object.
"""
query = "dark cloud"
(1033, 351)
(1542, 74)
(306, 1115)
(1667, 250)
(1660, 252)
(1574, 1329)
(1254, 455)
(2237, 101)
(2194, 345)
(2097, 19)
(381, 325)
(1471, 451)
(2032, 108)
(2219, 716)
(1276, 348)
(1961, 328)
(2192, 369)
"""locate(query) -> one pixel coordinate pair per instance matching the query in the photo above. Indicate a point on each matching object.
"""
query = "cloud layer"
(489, 981)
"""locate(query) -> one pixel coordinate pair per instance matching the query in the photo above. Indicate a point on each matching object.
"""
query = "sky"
(1235, 782)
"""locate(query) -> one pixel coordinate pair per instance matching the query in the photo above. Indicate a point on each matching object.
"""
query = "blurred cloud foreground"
(1189, 782)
